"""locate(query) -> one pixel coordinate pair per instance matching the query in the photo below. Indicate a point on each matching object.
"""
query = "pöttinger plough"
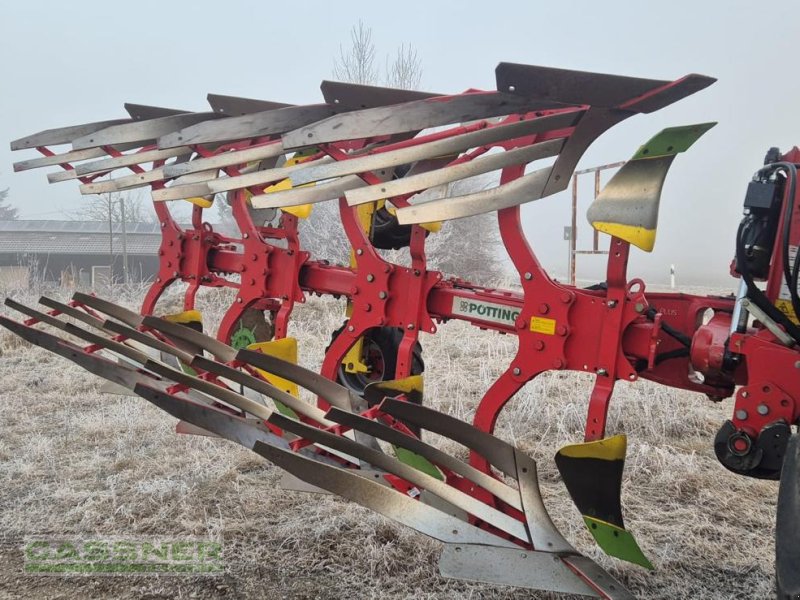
(387, 156)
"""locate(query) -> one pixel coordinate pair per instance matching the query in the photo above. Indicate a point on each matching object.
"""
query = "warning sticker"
(784, 301)
(543, 325)
(486, 311)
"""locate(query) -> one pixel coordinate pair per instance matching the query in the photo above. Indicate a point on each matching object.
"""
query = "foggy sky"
(67, 63)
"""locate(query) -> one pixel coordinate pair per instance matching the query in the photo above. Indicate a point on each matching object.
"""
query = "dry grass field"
(74, 461)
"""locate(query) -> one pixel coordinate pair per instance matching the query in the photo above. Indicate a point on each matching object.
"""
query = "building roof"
(77, 237)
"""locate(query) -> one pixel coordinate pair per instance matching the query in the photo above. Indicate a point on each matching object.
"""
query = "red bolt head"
(539, 345)
(561, 330)
(566, 297)
(558, 363)
(544, 308)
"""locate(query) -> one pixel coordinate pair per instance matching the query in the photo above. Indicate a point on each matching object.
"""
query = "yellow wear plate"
(543, 325)
(302, 211)
(638, 236)
(433, 226)
(185, 317)
(285, 349)
(201, 201)
(612, 448)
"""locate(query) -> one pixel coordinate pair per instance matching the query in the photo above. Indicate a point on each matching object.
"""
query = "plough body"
(387, 157)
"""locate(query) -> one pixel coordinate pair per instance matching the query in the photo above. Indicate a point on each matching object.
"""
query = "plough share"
(387, 157)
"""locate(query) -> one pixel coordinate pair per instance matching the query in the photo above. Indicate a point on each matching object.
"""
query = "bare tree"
(467, 248)
(357, 64)
(405, 71)
(8, 212)
(105, 207)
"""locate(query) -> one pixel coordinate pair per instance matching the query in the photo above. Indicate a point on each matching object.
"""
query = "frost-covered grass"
(74, 461)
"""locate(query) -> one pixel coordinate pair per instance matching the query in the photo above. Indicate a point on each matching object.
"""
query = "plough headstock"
(388, 157)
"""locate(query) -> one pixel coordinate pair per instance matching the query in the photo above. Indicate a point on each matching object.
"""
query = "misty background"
(68, 63)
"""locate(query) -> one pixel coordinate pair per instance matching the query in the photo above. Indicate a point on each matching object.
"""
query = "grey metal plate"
(112, 371)
(187, 334)
(58, 159)
(147, 340)
(136, 158)
(211, 389)
(633, 194)
(73, 312)
(127, 182)
(270, 122)
(571, 87)
(356, 96)
(524, 189)
(591, 126)
(120, 313)
(236, 429)
(226, 159)
(383, 500)
(532, 186)
(140, 131)
(392, 465)
(517, 567)
(234, 106)
(63, 135)
(454, 144)
(314, 194)
(544, 534)
(683, 87)
(143, 112)
(599, 578)
(337, 395)
(411, 116)
(262, 387)
(497, 452)
(478, 166)
(260, 178)
(387, 434)
(182, 188)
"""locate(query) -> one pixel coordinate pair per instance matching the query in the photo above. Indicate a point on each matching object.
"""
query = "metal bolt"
(239, 300)
(417, 273)
(370, 277)
(632, 376)
(611, 303)
(163, 224)
(351, 328)
(359, 252)
(246, 235)
(797, 365)
(639, 307)
(602, 371)
(762, 409)
(410, 327)
(544, 308)
(367, 307)
(382, 295)
(528, 276)
(517, 371)
(741, 414)
(561, 330)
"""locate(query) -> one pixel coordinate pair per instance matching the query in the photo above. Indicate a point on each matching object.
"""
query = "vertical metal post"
(110, 205)
(124, 242)
(596, 238)
(574, 233)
